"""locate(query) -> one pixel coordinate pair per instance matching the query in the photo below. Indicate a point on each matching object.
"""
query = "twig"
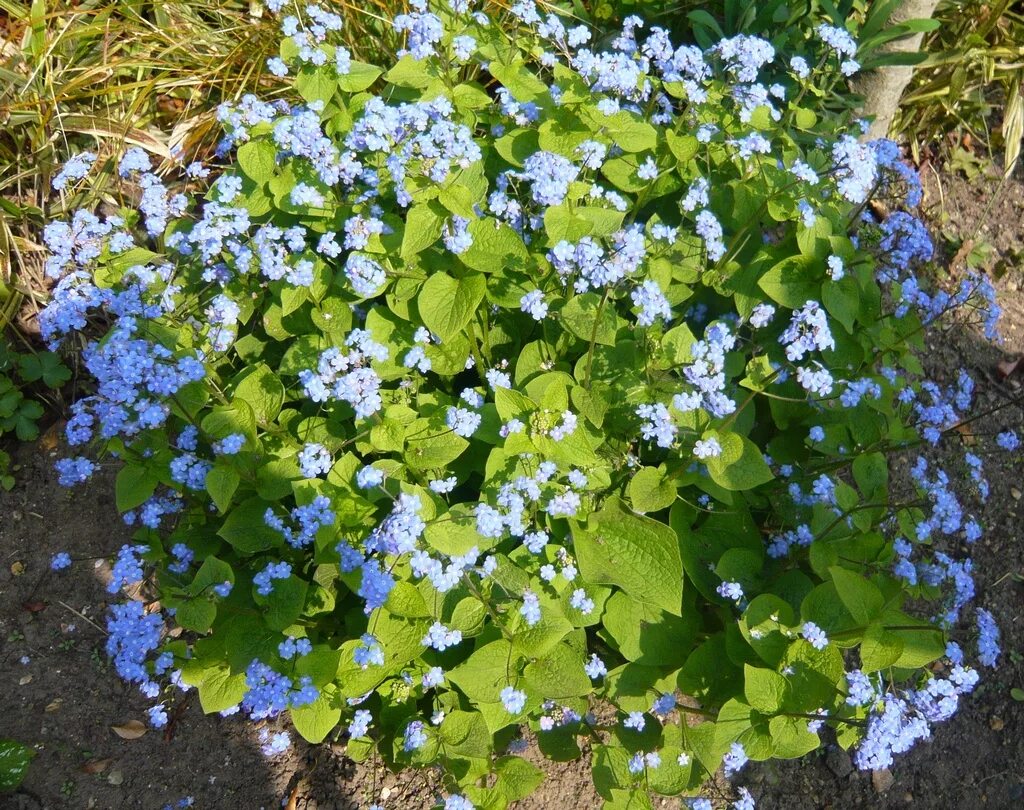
(82, 616)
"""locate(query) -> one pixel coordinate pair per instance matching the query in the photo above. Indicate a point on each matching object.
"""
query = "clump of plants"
(21, 375)
(528, 376)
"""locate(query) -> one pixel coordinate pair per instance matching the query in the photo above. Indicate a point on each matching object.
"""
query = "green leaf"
(790, 737)
(483, 675)
(542, 636)
(517, 778)
(222, 482)
(14, 761)
(645, 634)
(133, 487)
(212, 572)
(465, 734)
(284, 604)
(860, 596)
(314, 721)
(423, 226)
(842, 300)
(446, 305)
(45, 366)
(359, 77)
(316, 83)
(650, 491)
(262, 390)
(558, 674)
(792, 281)
(496, 247)
(225, 420)
(220, 689)
(429, 445)
(258, 159)
(453, 533)
(196, 615)
(683, 147)
(246, 530)
(740, 466)
(638, 554)
(764, 689)
(879, 648)
(871, 472)
(520, 81)
(586, 317)
(626, 130)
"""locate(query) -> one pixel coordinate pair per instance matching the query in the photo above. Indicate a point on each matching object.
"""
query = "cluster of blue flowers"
(376, 159)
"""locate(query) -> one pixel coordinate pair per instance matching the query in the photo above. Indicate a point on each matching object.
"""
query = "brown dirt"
(65, 699)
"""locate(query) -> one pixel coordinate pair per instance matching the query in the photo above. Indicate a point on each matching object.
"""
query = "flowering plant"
(523, 374)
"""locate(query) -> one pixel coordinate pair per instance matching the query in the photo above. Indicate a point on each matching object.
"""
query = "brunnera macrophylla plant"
(529, 375)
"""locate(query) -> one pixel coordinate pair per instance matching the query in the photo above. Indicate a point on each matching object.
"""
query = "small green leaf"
(314, 721)
(496, 247)
(650, 491)
(740, 465)
(446, 304)
(792, 282)
(558, 674)
(14, 761)
(246, 529)
(586, 317)
(423, 226)
(638, 554)
(258, 159)
(860, 596)
(359, 77)
(222, 482)
(262, 390)
(133, 487)
(764, 689)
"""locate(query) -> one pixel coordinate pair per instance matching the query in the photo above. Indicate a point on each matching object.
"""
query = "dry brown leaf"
(34, 606)
(1004, 368)
(24, 680)
(53, 706)
(293, 799)
(131, 730)
(96, 766)
(996, 723)
(966, 434)
(17, 568)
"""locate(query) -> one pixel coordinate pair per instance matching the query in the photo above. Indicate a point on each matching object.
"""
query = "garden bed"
(63, 698)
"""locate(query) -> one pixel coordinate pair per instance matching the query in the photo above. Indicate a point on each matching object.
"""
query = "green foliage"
(21, 375)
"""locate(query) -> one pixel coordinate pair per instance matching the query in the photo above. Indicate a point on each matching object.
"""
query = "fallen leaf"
(1004, 368)
(25, 679)
(54, 705)
(96, 766)
(51, 438)
(293, 799)
(882, 780)
(996, 723)
(34, 607)
(1015, 493)
(17, 568)
(962, 254)
(131, 730)
(966, 434)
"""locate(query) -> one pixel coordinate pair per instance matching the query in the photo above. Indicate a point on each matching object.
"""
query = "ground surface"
(65, 700)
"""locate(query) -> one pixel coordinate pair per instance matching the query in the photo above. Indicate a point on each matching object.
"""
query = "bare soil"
(60, 695)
